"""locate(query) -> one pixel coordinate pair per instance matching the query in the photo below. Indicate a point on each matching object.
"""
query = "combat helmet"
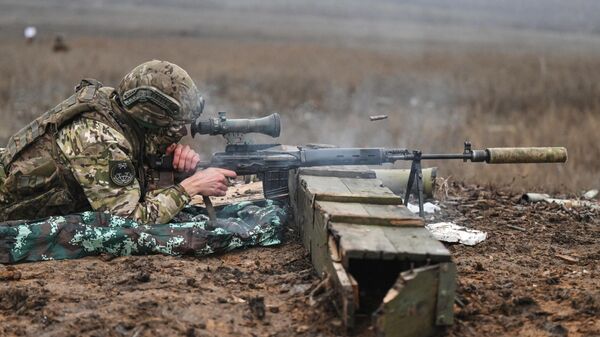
(159, 94)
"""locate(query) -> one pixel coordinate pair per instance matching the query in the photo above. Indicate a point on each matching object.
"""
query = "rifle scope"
(269, 125)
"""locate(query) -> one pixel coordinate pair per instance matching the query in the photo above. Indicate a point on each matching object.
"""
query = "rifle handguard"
(516, 155)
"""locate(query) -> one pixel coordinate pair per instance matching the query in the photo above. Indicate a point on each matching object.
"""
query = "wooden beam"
(349, 190)
(369, 214)
(362, 242)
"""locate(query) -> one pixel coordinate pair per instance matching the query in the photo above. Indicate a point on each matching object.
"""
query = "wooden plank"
(304, 216)
(334, 252)
(346, 293)
(360, 186)
(373, 191)
(319, 242)
(323, 251)
(318, 236)
(323, 185)
(362, 242)
(409, 307)
(316, 239)
(349, 190)
(416, 244)
(446, 291)
(391, 215)
(355, 291)
(366, 198)
(399, 212)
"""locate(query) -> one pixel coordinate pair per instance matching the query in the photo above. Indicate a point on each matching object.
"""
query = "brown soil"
(257, 292)
(535, 275)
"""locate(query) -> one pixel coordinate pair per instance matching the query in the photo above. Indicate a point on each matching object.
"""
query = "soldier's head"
(162, 98)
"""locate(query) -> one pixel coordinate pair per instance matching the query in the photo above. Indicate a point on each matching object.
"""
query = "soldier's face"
(158, 140)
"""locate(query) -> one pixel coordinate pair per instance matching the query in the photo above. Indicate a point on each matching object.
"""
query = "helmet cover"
(160, 94)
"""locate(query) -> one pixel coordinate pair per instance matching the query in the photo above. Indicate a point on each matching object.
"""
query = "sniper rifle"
(272, 162)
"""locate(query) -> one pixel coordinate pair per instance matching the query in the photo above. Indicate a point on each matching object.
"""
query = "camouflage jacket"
(82, 155)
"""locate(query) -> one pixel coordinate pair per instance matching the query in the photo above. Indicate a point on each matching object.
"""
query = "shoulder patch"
(121, 172)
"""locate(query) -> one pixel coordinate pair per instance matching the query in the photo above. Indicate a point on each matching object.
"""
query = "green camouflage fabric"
(170, 80)
(89, 147)
(240, 225)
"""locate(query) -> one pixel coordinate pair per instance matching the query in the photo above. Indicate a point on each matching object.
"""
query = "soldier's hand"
(184, 158)
(209, 182)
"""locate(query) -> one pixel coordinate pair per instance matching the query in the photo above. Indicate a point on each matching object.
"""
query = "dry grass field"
(436, 96)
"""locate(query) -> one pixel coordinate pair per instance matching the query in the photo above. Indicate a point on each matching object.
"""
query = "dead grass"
(436, 97)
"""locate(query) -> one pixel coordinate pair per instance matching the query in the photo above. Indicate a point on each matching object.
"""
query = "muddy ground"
(535, 275)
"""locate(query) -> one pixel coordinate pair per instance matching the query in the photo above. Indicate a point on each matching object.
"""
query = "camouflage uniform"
(92, 150)
(88, 153)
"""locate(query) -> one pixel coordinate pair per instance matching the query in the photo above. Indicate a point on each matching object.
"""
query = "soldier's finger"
(177, 156)
(185, 150)
(189, 163)
(195, 161)
(183, 158)
(228, 173)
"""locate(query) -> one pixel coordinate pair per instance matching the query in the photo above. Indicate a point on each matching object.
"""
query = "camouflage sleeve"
(99, 158)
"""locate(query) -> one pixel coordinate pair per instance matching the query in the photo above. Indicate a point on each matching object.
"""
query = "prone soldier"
(89, 152)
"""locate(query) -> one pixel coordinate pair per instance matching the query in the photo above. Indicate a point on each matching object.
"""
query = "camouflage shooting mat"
(240, 225)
